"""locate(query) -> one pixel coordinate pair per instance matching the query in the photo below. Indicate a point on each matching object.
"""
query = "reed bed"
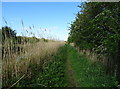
(15, 66)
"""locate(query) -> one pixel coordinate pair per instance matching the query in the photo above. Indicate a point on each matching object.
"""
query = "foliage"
(8, 35)
(88, 73)
(97, 27)
(8, 32)
(22, 40)
(45, 40)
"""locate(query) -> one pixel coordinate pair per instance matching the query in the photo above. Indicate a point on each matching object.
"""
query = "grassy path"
(68, 68)
(86, 72)
(70, 73)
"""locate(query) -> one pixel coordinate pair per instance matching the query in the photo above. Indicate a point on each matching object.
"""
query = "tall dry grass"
(18, 59)
(16, 65)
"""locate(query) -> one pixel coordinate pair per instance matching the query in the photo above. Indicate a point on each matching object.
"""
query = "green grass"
(88, 73)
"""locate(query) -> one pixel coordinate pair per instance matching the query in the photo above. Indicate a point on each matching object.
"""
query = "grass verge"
(88, 73)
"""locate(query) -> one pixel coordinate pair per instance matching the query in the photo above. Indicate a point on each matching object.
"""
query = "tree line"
(11, 43)
(8, 34)
(97, 28)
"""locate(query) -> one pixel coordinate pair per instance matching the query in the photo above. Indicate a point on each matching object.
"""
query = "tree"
(7, 33)
(97, 26)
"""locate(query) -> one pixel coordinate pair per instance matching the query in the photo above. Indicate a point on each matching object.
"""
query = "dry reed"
(17, 65)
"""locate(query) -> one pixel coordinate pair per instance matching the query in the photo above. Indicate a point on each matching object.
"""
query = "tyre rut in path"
(70, 74)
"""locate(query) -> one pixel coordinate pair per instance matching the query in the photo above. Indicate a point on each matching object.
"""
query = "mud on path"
(70, 73)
